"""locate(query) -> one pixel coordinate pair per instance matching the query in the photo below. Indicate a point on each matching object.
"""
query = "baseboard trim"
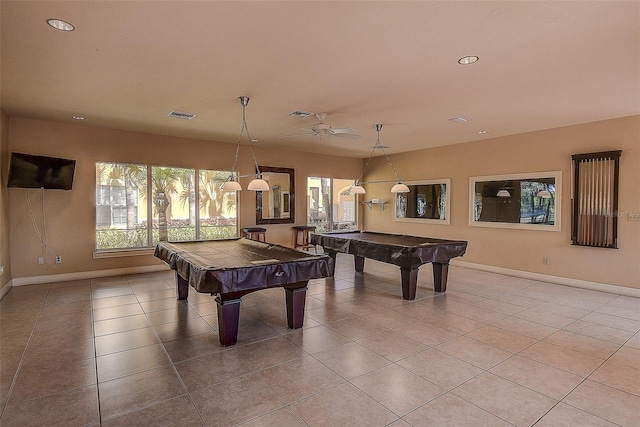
(82, 275)
(5, 288)
(576, 283)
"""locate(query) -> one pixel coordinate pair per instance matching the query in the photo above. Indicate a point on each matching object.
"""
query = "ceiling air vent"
(299, 113)
(181, 115)
(459, 119)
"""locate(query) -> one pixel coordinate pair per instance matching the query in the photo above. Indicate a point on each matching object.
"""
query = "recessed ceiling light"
(466, 60)
(78, 118)
(61, 25)
(459, 119)
(482, 132)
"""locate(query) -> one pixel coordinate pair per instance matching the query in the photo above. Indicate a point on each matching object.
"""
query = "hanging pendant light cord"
(378, 128)
(245, 129)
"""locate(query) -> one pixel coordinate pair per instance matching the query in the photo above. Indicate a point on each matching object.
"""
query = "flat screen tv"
(29, 171)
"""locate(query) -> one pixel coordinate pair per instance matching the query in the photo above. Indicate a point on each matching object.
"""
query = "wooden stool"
(255, 233)
(305, 230)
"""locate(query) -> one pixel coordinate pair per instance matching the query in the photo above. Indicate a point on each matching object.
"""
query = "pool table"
(236, 267)
(407, 252)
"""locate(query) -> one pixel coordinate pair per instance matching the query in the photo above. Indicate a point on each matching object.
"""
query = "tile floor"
(492, 351)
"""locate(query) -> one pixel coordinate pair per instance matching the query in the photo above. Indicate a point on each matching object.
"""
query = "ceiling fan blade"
(343, 130)
(346, 135)
(299, 134)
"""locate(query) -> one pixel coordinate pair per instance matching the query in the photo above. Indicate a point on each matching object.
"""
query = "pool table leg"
(183, 287)
(228, 319)
(440, 273)
(358, 262)
(333, 256)
(295, 299)
(409, 282)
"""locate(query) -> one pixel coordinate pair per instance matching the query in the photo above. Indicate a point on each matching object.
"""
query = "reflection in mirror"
(527, 201)
(277, 206)
(426, 201)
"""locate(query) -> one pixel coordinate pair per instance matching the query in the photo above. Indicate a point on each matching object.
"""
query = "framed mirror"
(529, 201)
(427, 201)
(276, 206)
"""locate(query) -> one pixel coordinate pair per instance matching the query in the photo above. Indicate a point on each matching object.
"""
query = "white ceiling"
(127, 64)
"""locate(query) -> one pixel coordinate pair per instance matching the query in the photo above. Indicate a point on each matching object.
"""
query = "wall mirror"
(426, 201)
(524, 201)
(276, 206)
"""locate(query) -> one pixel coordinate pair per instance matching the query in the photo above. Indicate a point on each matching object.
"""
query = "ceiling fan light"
(61, 25)
(258, 185)
(231, 186)
(468, 60)
(358, 189)
(503, 193)
(544, 194)
(400, 188)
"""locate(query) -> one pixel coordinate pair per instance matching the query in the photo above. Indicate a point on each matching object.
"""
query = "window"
(524, 201)
(217, 217)
(137, 205)
(329, 206)
(427, 202)
(594, 219)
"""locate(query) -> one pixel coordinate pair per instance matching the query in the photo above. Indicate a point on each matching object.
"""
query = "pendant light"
(399, 187)
(257, 184)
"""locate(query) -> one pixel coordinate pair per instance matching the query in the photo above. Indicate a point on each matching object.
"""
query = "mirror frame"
(291, 192)
(447, 212)
(557, 175)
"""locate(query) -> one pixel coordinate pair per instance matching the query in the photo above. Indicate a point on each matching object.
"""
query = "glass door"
(330, 206)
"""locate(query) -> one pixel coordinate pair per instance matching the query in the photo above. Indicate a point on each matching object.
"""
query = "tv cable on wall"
(41, 231)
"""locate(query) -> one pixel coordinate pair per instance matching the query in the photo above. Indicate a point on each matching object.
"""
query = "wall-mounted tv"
(30, 171)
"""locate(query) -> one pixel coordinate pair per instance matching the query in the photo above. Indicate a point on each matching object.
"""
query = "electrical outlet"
(546, 260)
(633, 216)
(58, 259)
(41, 260)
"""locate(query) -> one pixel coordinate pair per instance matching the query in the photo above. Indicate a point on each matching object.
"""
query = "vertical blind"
(595, 199)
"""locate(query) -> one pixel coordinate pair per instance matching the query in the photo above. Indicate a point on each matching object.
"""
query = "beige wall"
(70, 216)
(5, 253)
(524, 250)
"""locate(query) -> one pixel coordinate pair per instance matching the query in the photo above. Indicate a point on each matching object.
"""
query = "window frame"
(447, 211)
(149, 228)
(556, 226)
(330, 217)
(577, 196)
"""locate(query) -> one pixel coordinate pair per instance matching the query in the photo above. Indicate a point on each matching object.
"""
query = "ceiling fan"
(324, 129)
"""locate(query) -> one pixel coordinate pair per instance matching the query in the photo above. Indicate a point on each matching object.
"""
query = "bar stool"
(305, 230)
(255, 233)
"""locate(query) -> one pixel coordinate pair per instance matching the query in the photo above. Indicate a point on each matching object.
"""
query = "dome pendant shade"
(358, 189)
(231, 186)
(258, 185)
(400, 188)
(503, 193)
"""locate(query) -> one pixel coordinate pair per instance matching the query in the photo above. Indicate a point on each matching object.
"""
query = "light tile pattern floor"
(492, 351)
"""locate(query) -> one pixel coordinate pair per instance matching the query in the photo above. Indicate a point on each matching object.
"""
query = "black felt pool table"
(236, 267)
(405, 251)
